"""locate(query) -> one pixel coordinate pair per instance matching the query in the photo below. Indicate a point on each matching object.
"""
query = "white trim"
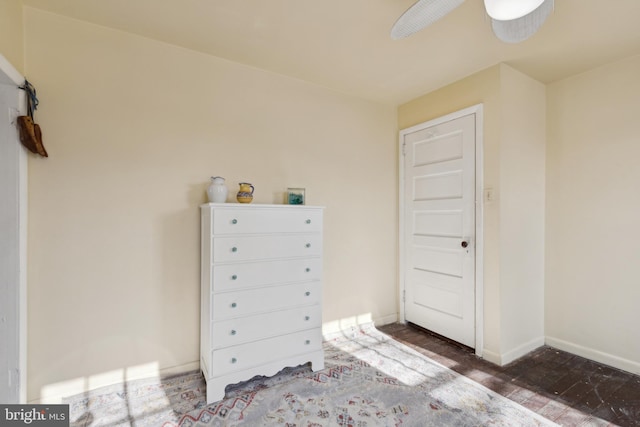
(352, 323)
(386, 320)
(492, 357)
(479, 115)
(401, 225)
(596, 355)
(521, 350)
(23, 209)
(345, 324)
(57, 392)
(11, 76)
(177, 370)
(477, 110)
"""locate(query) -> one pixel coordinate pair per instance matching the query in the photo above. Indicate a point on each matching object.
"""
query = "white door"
(439, 227)
(9, 246)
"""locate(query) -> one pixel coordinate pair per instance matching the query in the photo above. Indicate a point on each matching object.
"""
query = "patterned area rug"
(369, 380)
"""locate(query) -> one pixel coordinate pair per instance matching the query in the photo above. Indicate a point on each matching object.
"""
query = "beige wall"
(521, 199)
(593, 208)
(134, 129)
(11, 34)
(513, 155)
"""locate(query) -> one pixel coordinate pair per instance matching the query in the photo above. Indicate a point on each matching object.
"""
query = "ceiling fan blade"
(518, 30)
(422, 14)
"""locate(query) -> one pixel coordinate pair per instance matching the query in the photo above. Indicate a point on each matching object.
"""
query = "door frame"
(479, 201)
(10, 76)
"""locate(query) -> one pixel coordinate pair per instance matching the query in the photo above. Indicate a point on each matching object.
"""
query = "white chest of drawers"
(261, 291)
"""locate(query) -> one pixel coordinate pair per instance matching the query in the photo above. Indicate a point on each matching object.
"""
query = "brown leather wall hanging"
(30, 132)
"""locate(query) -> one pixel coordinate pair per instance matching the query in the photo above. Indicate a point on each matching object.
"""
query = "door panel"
(438, 149)
(438, 260)
(439, 215)
(438, 186)
(438, 223)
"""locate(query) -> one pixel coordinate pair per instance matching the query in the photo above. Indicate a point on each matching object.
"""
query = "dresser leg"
(317, 362)
(215, 390)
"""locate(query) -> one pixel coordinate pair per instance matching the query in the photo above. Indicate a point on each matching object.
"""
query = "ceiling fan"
(512, 21)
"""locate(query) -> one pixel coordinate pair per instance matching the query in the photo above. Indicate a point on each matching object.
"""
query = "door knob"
(464, 244)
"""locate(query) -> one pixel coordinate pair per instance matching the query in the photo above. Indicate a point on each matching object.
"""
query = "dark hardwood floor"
(565, 388)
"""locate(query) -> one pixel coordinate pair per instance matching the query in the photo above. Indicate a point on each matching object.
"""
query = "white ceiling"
(345, 44)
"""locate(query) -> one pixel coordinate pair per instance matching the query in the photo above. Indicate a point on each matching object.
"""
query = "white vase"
(217, 191)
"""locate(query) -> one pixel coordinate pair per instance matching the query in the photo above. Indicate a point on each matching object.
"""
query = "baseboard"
(182, 369)
(595, 355)
(511, 355)
(345, 324)
(54, 393)
(521, 350)
(349, 323)
(492, 357)
(386, 320)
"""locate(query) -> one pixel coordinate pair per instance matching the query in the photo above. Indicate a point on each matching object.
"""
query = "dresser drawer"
(232, 332)
(247, 248)
(228, 277)
(252, 301)
(265, 220)
(257, 353)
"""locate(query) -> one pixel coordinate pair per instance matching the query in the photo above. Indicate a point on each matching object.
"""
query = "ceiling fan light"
(422, 14)
(518, 30)
(506, 10)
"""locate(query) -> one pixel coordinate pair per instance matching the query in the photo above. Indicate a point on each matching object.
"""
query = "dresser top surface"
(256, 206)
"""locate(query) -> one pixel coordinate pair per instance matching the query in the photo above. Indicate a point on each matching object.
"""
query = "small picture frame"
(295, 196)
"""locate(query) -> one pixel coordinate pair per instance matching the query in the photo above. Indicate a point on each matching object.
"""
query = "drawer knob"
(308, 245)
(234, 305)
(307, 318)
(307, 293)
(234, 360)
(233, 332)
(234, 249)
(234, 277)
(307, 342)
(308, 221)
(234, 221)
(307, 269)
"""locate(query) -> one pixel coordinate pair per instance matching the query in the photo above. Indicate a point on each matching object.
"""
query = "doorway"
(441, 227)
